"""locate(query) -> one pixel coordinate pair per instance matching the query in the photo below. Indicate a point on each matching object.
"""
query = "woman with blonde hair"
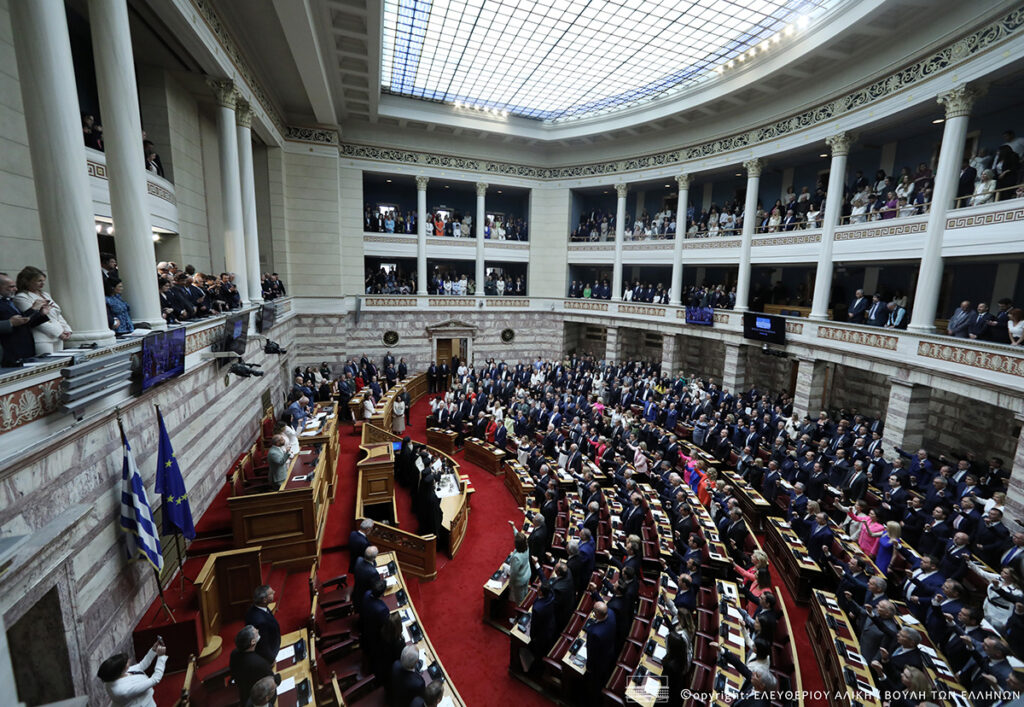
(50, 336)
(887, 544)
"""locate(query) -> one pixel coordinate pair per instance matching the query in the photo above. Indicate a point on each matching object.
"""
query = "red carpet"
(474, 654)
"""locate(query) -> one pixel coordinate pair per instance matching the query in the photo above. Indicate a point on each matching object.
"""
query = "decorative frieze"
(316, 136)
(994, 361)
(579, 247)
(520, 302)
(993, 217)
(896, 229)
(406, 302)
(448, 240)
(701, 243)
(29, 404)
(858, 337)
(451, 302)
(642, 310)
(589, 305)
(788, 240)
(160, 192)
(95, 169)
(395, 240)
(794, 327)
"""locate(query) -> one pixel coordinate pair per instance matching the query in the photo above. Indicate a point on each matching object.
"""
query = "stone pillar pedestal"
(612, 350)
(481, 220)
(1015, 493)
(734, 368)
(421, 236)
(671, 356)
(809, 396)
(906, 415)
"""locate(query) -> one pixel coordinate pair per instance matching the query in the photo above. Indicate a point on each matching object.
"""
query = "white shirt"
(136, 688)
(293, 439)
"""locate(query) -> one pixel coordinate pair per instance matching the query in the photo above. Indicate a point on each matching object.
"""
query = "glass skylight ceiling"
(556, 60)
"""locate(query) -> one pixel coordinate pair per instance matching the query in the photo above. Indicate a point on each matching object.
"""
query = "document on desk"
(285, 653)
(305, 451)
(309, 434)
(446, 701)
(909, 619)
(653, 686)
(734, 613)
(659, 653)
(286, 685)
(736, 638)
(663, 630)
(391, 582)
(494, 584)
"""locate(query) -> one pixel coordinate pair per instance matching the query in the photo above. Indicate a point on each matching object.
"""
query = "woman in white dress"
(368, 407)
(1015, 326)
(984, 188)
(499, 286)
(50, 336)
(398, 416)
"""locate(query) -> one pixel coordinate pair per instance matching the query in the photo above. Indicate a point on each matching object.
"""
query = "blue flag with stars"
(177, 512)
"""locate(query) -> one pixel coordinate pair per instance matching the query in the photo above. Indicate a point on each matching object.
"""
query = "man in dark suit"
(406, 683)
(946, 603)
(987, 664)
(890, 664)
(924, 583)
(991, 538)
(633, 517)
(935, 534)
(16, 328)
(564, 589)
(601, 651)
(878, 313)
(858, 308)
(246, 665)
(259, 617)
(819, 538)
(758, 683)
(965, 185)
(736, 533)
(593, 517)
(358, 542)
(543, 629)
(372, 617)
(538, 541)
(365, 574)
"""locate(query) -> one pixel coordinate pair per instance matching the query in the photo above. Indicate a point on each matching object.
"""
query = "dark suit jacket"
(16, 341)
(601, 651)
(405, 685)
(565, 599)
(365, 574)
(247, 669)
(270, 632)
(357, 544)
(816, 541)
(542, 625)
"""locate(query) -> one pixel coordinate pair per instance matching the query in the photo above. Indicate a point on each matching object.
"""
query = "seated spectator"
(50, 336)
(119, 316)
(15, 326)
(984, 188)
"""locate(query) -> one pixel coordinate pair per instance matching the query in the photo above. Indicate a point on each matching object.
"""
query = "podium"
(226, 584)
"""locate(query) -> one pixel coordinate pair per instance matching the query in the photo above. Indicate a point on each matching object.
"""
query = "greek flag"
(136, 515)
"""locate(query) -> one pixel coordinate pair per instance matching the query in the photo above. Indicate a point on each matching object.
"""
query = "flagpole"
(156, 574)
(177, 540)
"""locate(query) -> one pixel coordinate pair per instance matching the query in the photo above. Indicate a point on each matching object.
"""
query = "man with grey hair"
(358, 541)
(406, 683)
(263, 693)
(247, 666)
(277, 459)
(889, 665)
(758, 685)
(880, 627)
(366, 573)
(260, 617)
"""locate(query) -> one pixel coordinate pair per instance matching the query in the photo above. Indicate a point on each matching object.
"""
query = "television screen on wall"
(764, 327)
(236, 333)
(163, 356)
(266, 317)
(704, 316)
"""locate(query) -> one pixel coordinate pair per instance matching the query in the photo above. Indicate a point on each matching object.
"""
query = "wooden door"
(444, 351)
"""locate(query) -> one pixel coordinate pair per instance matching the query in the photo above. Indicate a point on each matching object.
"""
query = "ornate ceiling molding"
(230, 46)
(316, 136)
(948, 57)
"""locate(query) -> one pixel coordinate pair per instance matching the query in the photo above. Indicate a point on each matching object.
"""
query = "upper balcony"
(160, 198)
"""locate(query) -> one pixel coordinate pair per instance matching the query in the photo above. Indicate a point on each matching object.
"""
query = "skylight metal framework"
(556, 60)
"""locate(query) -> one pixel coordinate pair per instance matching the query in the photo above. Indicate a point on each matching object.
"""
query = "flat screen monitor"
(163, 356)
(766, 328)
(704, 316)
(266, 317)
(236, 333)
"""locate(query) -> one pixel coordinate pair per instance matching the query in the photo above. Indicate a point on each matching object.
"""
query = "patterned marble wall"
(957, 423)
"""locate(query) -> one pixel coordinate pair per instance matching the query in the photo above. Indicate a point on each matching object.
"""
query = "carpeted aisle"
(451, 607)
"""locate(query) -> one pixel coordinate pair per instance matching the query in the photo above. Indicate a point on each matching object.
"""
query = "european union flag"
(177, 512)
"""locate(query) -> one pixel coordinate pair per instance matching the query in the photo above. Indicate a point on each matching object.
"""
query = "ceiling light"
(739, 174)
(938, 120)
(802, 21)
(499, 191)
(99, 228)
(447, 187)
(156, 238)
(823, 154)
(504, 114)
(388, 181)
(789, 30)
(668, 186)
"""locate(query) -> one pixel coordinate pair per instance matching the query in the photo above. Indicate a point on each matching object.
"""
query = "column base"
(101, 337)
(918, 329)
(740, 309)
(818, 316)
(157, 325)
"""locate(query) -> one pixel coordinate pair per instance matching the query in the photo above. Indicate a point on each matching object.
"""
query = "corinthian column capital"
(421, 183)
(481, 188)
(621, 190)
(753, 167)
(225, 92)
(840, 143)
(243, 113)
(683, 180)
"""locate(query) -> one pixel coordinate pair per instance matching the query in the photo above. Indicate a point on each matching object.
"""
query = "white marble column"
(231, 189)
(753, 168)
(47, 79)
(421, 236)
(683, 180)
(247, 180)
(906, 415)
(126, 162)
(481, 217)
(840, 144)
(958, 104)
(620, 230)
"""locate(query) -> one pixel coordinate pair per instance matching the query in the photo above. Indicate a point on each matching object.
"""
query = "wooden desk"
(225, 585)
(455, 515)
(836, 649)
(495, 594)
(289, 523)
(296, 670)
(518, 481)
(429, 656)
(441, 439)
(485, 455)
(735, 644)
(325, 434)
(754, 506)
(787, 550)
(377, 473)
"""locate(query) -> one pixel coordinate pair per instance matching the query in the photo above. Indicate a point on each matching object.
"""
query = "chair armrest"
(341, 580)
(357, 691)
(343, 648)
